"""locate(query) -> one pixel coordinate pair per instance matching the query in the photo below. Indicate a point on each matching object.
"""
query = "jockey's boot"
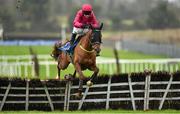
(73, 36)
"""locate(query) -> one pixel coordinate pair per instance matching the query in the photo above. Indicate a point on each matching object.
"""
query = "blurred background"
(50, 16)
(154, 21)
(138, 36)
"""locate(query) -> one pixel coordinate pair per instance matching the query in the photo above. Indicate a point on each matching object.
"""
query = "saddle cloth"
(68, 48)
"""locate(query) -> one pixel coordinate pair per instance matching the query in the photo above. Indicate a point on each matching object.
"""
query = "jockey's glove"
(86, 26)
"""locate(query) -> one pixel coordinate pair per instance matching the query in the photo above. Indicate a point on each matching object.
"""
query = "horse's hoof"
(57, 78)
(83, 78)
(68, 77)
(89, 83)
(78, 95)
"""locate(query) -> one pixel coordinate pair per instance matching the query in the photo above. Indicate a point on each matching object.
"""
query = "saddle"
(67, 48)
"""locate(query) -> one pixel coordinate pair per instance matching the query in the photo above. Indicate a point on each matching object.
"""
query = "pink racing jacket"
(80, 20)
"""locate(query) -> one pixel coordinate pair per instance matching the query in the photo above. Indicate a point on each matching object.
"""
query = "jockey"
(84, 17)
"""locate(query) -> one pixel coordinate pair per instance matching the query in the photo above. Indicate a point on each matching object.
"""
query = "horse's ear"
(101, 26)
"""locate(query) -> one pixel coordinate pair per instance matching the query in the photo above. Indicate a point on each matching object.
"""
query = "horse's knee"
(97, 69)
(58, 67)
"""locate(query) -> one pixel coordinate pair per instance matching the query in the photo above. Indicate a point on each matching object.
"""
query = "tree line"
(48, 16)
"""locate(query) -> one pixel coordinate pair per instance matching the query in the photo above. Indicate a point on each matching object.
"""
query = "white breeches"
(79, 31)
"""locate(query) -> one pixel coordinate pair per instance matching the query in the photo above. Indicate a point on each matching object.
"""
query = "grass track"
(94, 112)
(106, 52)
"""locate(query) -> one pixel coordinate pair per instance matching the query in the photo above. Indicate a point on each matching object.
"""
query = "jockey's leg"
(74, 33)
(73, 37)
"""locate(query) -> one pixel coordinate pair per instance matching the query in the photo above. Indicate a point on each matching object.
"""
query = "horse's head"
(96, 38)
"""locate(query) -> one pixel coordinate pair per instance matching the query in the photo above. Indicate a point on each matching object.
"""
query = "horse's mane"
(56, 52)
(82, 35)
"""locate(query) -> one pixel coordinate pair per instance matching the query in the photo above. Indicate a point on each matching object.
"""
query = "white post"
(118, 45)
(1, 32)
(63, 32)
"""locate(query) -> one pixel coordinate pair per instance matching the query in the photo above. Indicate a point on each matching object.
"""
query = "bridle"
(95, 38)
(90, 40)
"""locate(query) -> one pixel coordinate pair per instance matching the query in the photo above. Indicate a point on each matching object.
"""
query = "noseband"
(95, 37)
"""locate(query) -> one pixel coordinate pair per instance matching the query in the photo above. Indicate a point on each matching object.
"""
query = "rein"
(86, 50)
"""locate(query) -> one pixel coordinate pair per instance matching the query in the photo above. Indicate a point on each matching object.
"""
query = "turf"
(95, 112)
(106, 52)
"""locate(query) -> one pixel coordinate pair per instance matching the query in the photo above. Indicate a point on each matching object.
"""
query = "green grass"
(106, 52)
(94, 112)
(24, 50)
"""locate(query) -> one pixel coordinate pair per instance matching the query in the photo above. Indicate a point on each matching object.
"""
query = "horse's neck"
(85, 41)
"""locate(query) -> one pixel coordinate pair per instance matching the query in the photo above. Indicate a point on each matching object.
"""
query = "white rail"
(23, 65)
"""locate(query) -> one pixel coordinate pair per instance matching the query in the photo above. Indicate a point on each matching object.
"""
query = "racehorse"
(84, 56)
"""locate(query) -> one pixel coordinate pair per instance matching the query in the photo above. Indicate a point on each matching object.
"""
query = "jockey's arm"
(94, 21)
(76, 22)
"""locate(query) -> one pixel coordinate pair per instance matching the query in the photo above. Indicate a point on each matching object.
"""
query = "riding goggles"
(86, 12)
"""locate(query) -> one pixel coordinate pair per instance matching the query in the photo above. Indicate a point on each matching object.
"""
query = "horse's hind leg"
(74, 74)
(59, 72)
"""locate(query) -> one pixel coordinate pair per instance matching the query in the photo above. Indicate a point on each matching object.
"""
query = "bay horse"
(84, 56)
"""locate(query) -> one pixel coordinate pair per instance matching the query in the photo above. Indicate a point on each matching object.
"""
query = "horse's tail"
(56, 52)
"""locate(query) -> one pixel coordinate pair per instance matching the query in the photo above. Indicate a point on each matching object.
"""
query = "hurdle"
(134, 91)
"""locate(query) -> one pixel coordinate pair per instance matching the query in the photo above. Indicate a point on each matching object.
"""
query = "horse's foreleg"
(78, 69)
(74, 74)
(96, 71)
(80, 86)
(81, 78)
(79, 93)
